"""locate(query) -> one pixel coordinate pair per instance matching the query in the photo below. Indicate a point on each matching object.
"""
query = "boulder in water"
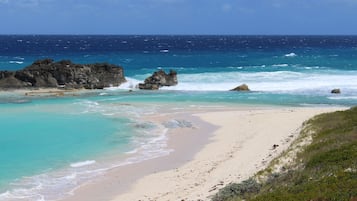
(336, 91)
(159, 79)
(242, 87)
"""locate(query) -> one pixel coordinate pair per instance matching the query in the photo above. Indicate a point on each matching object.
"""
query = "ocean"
(51, 145)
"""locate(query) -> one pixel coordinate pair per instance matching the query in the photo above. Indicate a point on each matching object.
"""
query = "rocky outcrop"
(64, 74)
(242, 87)
(159, 79)
(336, 91)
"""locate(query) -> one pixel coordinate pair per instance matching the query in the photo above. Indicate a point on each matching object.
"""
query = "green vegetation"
(242, 190)
(325, 170)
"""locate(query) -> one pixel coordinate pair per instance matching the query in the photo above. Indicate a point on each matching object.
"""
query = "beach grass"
(323, 170)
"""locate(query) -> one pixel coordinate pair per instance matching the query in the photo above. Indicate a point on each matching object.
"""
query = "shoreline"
(44, 92)
(184, 141)
(214, 157)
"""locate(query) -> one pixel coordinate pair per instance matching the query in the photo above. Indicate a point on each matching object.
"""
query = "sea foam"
(342, 97)
(82, 163)
(276, 81)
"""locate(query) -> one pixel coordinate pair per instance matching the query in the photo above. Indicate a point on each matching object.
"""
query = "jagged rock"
(11, 82)
(335, 91)
(159, 79)
(242, 87)
(65, 74)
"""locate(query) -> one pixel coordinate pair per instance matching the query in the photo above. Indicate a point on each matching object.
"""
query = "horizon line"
(47, 34)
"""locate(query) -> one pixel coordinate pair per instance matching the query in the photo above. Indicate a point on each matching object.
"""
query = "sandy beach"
(223, 146)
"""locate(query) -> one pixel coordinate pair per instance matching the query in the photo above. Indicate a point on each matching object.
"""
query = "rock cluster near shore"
(159, 79)
(64, 74)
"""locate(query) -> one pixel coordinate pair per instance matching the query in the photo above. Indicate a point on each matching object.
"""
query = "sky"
(234, 17)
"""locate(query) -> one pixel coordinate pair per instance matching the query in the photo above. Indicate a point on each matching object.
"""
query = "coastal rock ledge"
(63, 74)
(159, 79)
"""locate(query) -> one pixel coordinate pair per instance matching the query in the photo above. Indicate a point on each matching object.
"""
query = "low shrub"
(241, 190)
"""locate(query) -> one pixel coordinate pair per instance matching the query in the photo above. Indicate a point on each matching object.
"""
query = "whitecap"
(16, 62)
(82, 163)
(236, 67)
(311, 67)
(164, 51)
(280, 65)
(291, 55)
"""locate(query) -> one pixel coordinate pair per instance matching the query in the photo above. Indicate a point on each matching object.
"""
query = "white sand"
(241, 146)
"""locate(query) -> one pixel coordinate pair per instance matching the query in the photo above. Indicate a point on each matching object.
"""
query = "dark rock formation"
(242, 87)
(335, 91)
(65, 74)
(159, 79)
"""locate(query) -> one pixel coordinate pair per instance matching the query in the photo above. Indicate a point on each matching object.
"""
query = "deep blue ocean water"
(50, 145)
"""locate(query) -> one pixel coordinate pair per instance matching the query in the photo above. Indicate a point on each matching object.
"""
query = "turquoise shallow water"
(36, 137)
(49, 145)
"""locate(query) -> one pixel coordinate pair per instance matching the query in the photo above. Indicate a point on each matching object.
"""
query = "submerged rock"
(242, 87)
(335, 91)
(174, 123)
(159, 79)
(64, 74)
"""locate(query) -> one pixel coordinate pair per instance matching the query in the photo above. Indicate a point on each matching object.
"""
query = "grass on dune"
(324, 170)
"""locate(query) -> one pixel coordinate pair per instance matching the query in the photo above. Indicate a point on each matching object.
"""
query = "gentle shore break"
(244, 143)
